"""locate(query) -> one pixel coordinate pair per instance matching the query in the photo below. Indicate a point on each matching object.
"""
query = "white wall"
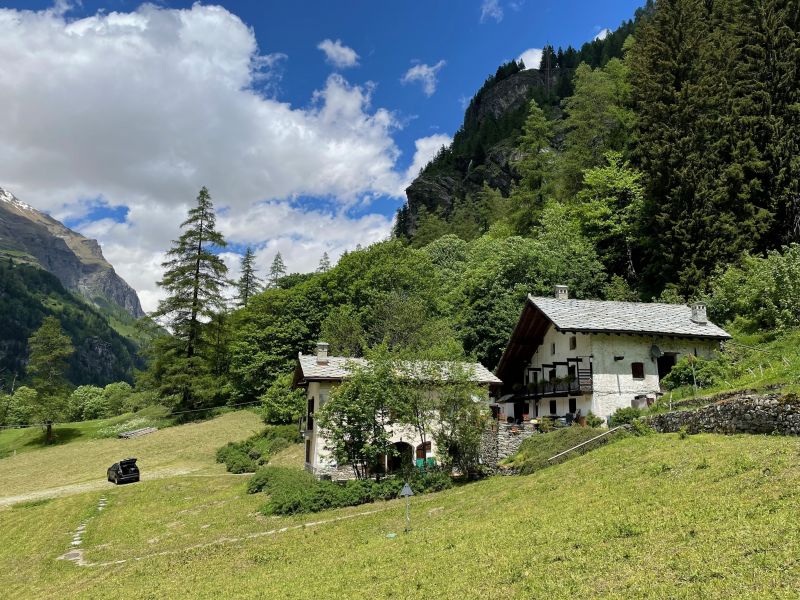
(614, 385)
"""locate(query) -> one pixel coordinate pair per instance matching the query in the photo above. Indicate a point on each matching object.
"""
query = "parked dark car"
(125, 471)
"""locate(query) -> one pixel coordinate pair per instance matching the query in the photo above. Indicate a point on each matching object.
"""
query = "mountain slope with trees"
(28, 296)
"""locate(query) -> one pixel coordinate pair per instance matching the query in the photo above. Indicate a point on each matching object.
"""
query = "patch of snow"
(11, 199)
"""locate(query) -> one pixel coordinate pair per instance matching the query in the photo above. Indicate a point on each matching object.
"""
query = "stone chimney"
(561, 292)
(322, 353)
(699, 313)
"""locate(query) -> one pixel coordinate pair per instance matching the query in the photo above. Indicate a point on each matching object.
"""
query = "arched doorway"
(403, 456)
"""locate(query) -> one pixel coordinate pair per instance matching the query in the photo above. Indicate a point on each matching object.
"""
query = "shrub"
(292, 491)
(236, 458)
(691, 369)
(625, 415)
(593, 420)
(248, 455)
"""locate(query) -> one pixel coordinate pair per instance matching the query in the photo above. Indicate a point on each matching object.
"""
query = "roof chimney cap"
(561, 292)
(699, 313)
(322, 353)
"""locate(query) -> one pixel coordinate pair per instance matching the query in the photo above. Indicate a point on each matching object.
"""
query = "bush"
(236, 458)
(625, 415)
(248, 455)
(593, 421)
(292, 491)
(706, 373)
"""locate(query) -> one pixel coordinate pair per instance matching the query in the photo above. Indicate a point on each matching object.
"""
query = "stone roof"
(338, 368)
(602, 316)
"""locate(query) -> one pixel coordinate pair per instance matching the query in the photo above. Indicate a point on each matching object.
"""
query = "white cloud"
(424, 74)
(337, 54)
(491, 9)
(143, 108)
(532, 57)
(602, 34)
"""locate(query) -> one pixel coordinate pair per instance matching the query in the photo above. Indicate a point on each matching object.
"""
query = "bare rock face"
(27, 235)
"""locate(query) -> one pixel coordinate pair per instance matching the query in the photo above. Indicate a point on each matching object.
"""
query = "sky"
(306, 120)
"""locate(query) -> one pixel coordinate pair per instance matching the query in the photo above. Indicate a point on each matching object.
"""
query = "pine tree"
(49, 348)
(194, 279)
(528, 198)
(249, 284)
(324, 263)
(276, 270)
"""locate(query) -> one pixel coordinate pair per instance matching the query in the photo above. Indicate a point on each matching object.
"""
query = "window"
(308, 451)
(551, 375)
(573, 405)
(573, 343)
(552, 407)
(310, 413)
(423, 450)
(637, 370)
(553, 348)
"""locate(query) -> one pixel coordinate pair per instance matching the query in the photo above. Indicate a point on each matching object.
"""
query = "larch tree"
(324, 263)
(49, 350)
(249, 284)
(194, 279)
(276, 270)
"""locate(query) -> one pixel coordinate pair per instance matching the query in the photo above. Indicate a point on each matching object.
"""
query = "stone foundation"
(502, 440)
(771, 413)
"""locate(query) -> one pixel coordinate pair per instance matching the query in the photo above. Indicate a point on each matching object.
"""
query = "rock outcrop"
(439, 189)
(28, 235)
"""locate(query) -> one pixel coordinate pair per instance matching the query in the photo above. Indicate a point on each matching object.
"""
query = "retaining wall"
(771, 413)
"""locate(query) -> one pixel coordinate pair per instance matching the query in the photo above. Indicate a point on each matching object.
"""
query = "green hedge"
(292, 491)
(255, 451)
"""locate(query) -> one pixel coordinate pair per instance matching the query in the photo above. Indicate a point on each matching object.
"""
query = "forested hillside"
(28, 295)
(674, 145)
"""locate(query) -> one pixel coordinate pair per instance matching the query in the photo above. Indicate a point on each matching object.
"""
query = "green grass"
(646, 517)
(535, 451)
(33, 438)
(183, 449)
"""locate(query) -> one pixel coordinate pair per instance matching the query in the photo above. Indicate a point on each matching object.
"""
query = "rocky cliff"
(484, 150)
(30, 236)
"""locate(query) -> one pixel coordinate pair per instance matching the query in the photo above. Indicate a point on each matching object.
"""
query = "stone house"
(319, 374)
(568, 357)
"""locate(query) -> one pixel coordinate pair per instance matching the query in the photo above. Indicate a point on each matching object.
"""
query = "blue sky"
(125, 103)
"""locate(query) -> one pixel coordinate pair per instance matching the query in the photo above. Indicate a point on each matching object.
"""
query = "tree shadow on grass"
(61, 435)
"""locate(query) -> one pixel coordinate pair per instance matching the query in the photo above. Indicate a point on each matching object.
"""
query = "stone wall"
(502, 440)
(771, 413)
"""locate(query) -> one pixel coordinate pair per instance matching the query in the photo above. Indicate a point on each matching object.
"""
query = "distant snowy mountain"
(30, 236)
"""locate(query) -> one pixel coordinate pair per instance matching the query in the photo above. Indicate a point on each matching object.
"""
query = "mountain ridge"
(33, 237)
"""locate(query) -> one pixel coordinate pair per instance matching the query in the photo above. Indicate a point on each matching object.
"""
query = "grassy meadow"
(645, 517)
(182, 449)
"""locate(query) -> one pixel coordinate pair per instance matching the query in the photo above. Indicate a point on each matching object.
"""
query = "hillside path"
(87, 486)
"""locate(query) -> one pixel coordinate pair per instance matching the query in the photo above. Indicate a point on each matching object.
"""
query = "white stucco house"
(568, 357)
(319, 374)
